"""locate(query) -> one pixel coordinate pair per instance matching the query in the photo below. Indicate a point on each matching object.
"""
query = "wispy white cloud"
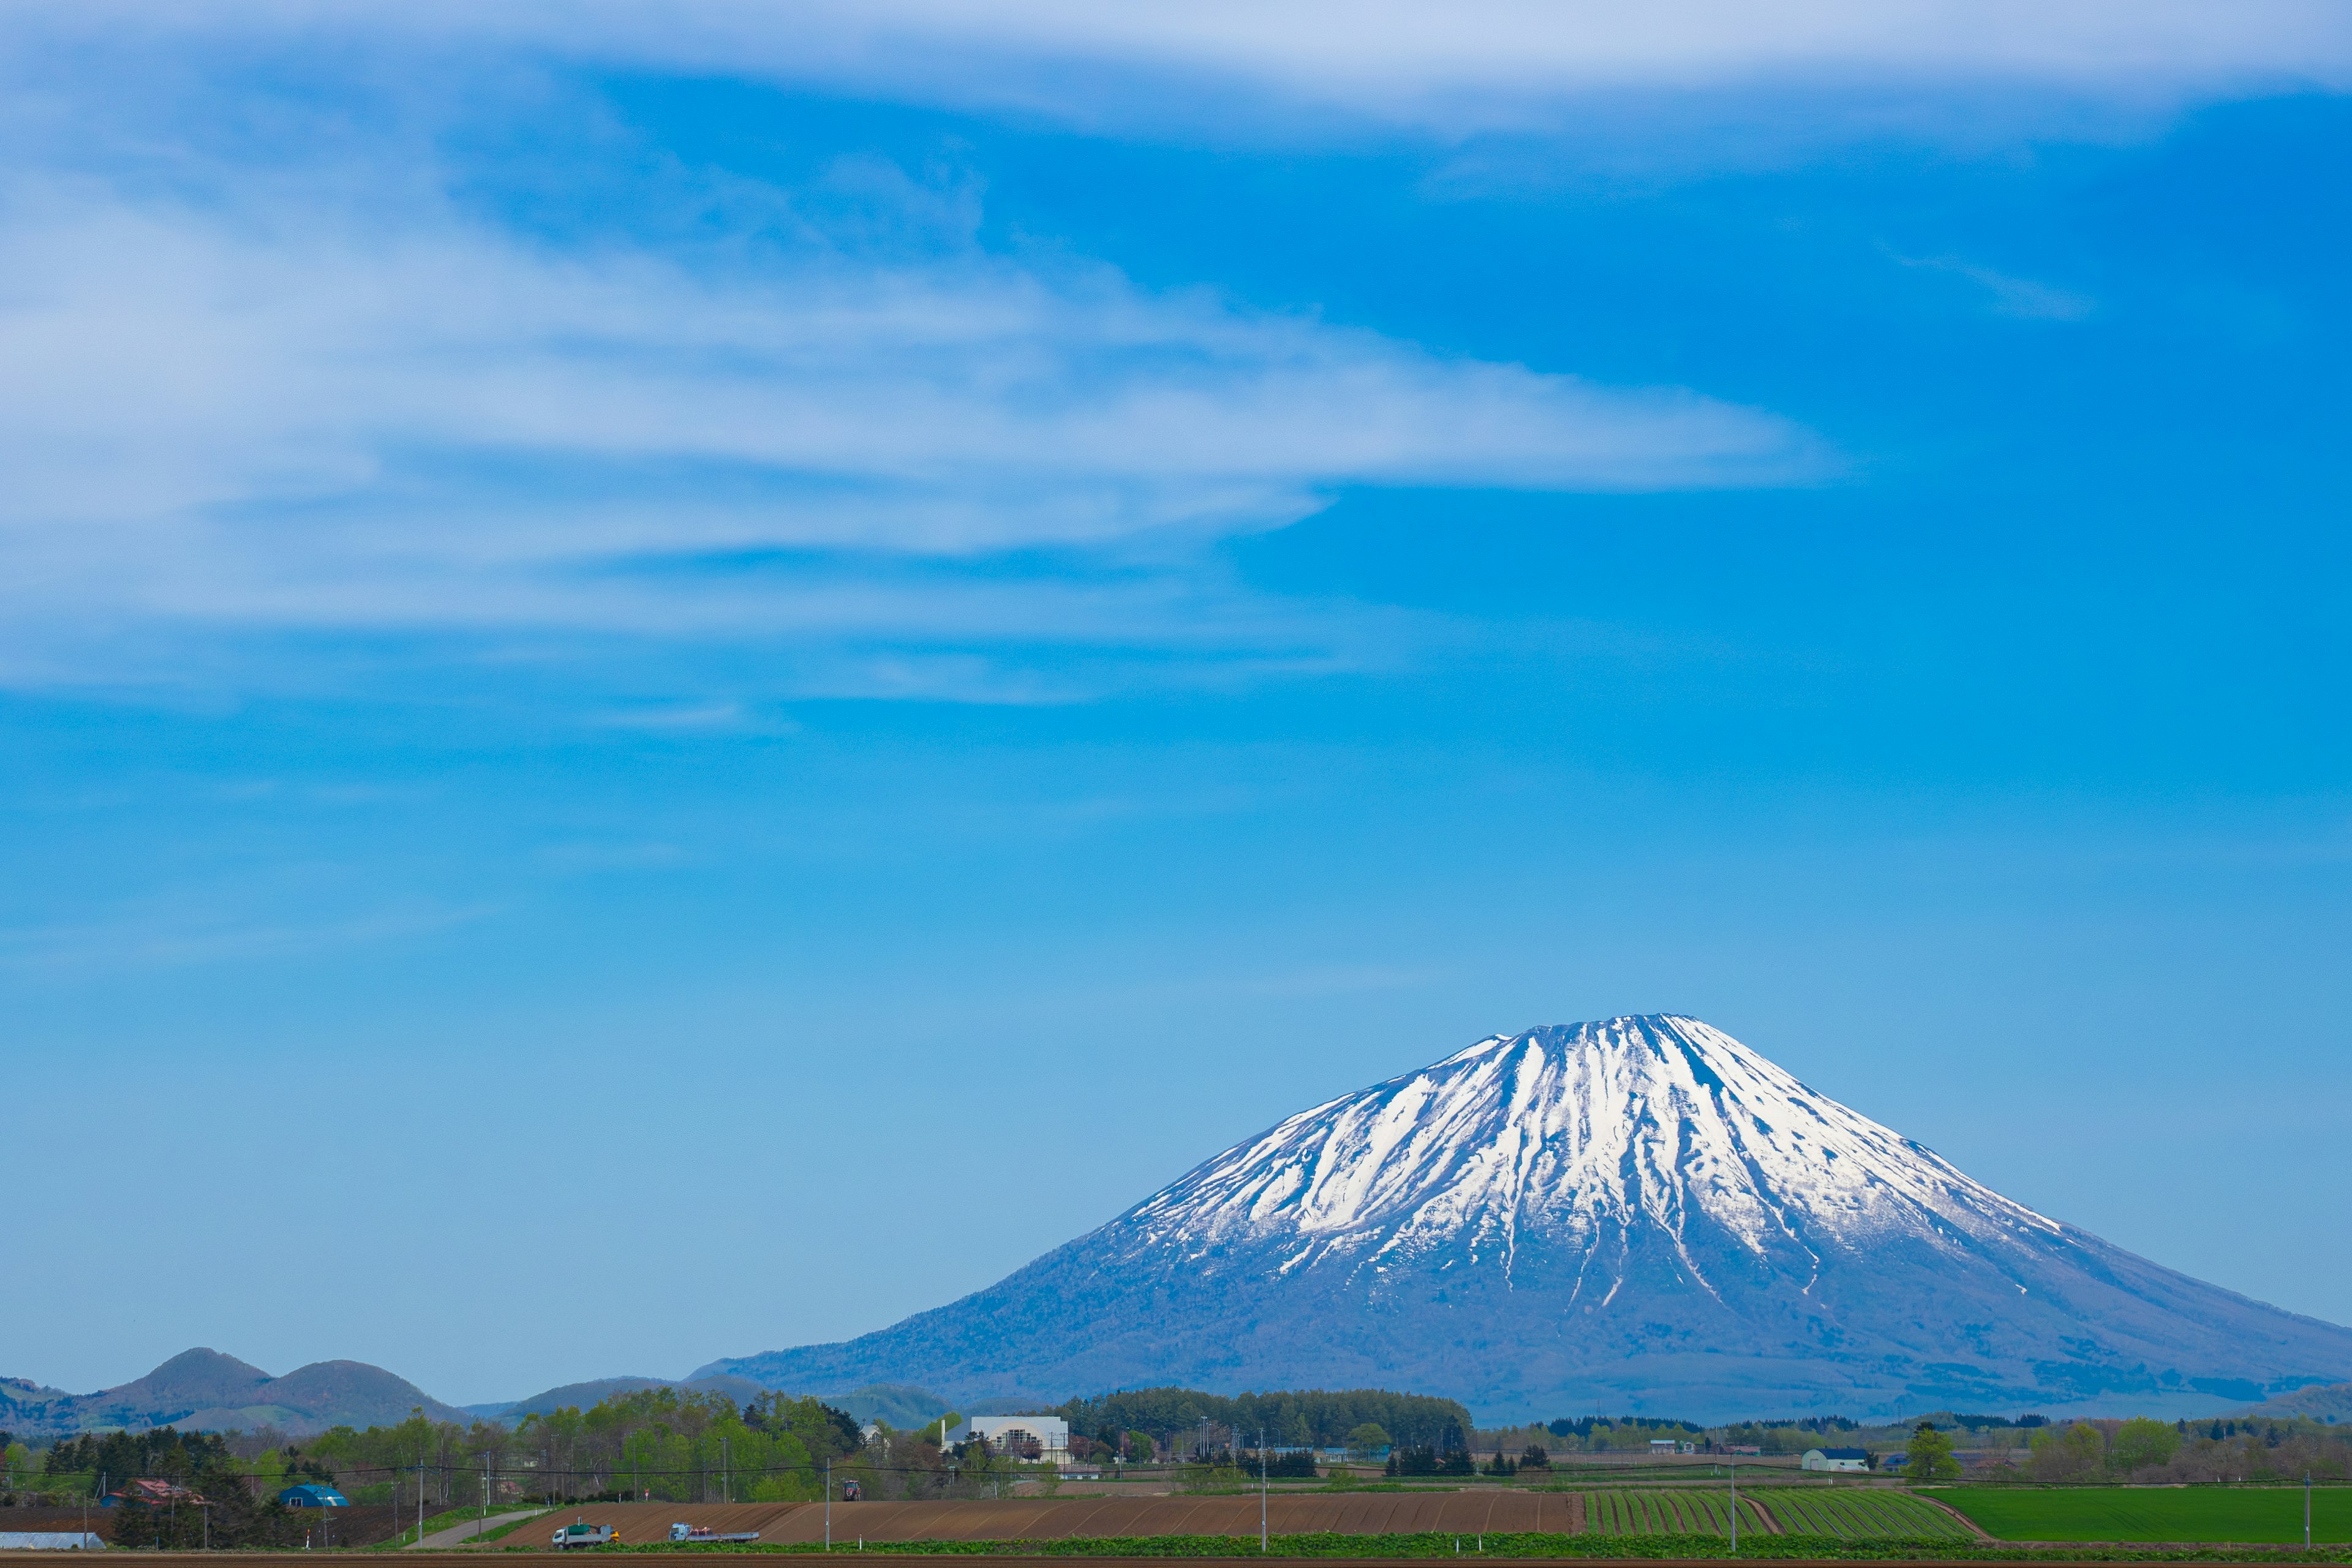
(291, 409)
(2006, 294)
(1480, 64)
(173, 930)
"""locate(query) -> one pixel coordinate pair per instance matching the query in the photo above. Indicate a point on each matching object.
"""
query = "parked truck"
(572, 1535)
(697, 1534)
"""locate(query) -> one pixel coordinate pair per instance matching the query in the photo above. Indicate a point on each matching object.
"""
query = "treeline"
(1585, 1434)
(2154, 1452)
(676, 1446)
(235, 1511)
(1307, 1418)
(655, 1444)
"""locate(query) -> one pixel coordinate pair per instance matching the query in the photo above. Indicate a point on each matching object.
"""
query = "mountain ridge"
(206, 1390)
(1635, 1212)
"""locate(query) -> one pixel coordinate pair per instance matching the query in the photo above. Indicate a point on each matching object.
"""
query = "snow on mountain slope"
(1639, 1213)
(1569, 1133)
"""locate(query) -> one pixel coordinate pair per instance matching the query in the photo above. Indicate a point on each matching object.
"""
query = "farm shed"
(1843, 1459)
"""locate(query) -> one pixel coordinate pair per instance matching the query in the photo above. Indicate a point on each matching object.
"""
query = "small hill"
(2320, 1402)
(205, 1390)
(194, 1379)
(897, 1405)
(581, 1396)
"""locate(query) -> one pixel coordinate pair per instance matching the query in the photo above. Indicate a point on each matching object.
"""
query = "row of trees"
(2141, 1449)
(1306, 1418)
(225, 1503)
(654, 1443)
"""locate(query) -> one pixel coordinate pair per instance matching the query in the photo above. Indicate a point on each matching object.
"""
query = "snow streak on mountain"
(1637, 1213)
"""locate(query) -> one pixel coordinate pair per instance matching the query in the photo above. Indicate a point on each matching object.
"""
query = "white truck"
(697, 1534)
(572, 1535)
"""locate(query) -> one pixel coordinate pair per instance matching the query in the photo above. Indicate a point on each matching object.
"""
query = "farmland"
(1859, 1515)
(2252, 1515)
(1626, 1511)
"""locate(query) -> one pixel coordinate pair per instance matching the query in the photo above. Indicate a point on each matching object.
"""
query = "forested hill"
(1316, 1417)
(204, 1389)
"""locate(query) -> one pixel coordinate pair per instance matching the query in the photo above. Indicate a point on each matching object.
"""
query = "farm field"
(1628, 1511)
(1859, 1515)
(1840, 1516)
(2252, 1515)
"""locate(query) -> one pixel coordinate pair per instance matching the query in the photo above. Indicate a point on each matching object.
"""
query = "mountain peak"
(1635, 1212)
(198, 1376)
(204, 1390)
(1580, 1129)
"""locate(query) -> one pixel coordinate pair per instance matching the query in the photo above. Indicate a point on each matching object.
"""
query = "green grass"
(457, 1516)
(2251, 1515)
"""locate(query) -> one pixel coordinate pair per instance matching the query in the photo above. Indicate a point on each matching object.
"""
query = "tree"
(1367, 1440)
(1299, 1417)
(2071, 1453)
(2141, 1444)
(1931, 1455)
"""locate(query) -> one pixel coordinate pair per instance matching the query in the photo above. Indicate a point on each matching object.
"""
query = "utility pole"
(1734, 1469)
(2307, 1511)
(828, 1505)
(1261, 1492)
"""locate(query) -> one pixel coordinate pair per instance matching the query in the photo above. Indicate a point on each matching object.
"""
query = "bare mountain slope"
(1639, 1212)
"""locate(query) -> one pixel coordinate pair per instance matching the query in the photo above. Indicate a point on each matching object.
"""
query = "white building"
(1839, 1459)
(1045, 1437)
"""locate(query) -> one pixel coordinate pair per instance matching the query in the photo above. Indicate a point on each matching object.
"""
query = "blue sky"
(703, 634)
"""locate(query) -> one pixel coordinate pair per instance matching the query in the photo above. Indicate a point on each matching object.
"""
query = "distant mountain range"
(205, 1390)
(1638, 1214)
(1635, 1214)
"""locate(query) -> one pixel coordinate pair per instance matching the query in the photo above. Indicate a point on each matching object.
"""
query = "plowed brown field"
(1056, 1519)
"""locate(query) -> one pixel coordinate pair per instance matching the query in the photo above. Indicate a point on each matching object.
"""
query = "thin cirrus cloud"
(1479, 65)
(1462, 66)
(321, 417)
(2005, 294)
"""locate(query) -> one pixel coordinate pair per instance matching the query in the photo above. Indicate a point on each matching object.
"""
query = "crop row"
(1861, 1515)
(1839, 1516)
(1678, 1512)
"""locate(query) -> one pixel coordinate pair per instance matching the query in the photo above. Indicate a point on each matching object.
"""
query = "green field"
(2251, 1515)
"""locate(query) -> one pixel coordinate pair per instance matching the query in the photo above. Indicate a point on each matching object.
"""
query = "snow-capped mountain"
(1638, 1214)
